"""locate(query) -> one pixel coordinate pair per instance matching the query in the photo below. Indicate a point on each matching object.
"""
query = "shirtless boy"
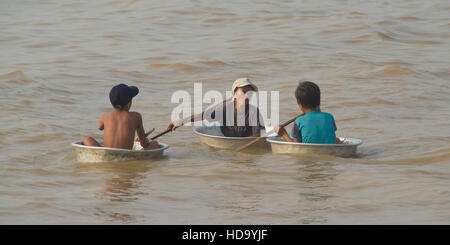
(120, 125)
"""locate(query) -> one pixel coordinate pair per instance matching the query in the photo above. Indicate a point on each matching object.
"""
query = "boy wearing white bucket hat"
(243, 82)
(237, 116)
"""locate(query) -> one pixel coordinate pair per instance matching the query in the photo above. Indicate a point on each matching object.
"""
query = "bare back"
(119, 128)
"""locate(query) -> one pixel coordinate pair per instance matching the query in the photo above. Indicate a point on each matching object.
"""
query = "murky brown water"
(383, 68)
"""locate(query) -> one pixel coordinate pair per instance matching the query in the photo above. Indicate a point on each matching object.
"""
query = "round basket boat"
(213, 137)
(346, 149)
(106, 154)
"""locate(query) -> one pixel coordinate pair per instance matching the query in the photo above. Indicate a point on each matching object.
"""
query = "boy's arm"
(282, 132)
(177, 123)
(101, 124)
(140, 131)
(193, 118)
(338, 141)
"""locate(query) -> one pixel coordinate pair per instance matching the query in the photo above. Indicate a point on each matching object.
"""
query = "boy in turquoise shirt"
(313, 126)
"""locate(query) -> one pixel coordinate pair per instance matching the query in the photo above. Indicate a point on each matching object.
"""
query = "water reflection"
(243, 161)
(240, 195)
(122, 179)
(121, 186)
(317, 178)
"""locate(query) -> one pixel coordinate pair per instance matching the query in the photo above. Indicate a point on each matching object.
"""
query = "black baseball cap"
(121, 94)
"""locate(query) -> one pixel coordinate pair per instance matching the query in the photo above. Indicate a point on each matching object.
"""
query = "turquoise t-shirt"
(315, 127)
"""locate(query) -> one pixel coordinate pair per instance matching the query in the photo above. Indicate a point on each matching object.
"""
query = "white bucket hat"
(242, 82)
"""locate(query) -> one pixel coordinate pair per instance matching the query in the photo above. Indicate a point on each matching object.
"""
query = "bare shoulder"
(136, 116)
(105, 116)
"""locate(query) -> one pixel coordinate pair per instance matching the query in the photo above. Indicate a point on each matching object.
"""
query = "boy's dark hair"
(308, 94)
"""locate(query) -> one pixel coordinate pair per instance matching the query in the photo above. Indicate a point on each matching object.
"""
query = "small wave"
(125, 11)
(403, 151)
(38, 205)
(385, 36)
(185, 12)
(284, 17)
(70, 75)
(380, 101)
(14, 74)
(393, 70)
(385, 22)
(398, 62)
(156, 58)
(405, 38)
(48, 89)
(215, 20)
(61, 101)
(383, 69)
(26, 102)
(42, 137)
(115, 36)
(125, 3)
(158, 65)
(129, 73)
(222, 13)
(410, 18)
(16, 77)
(425, 42)
(355, 13)
(356, 69)
(43, 45)
(428, 159)
(177, 66)
(237, 40)
(340, 28)
(213, 62)
(438, 155)
(73, 47)
(360, 39)
(96, 55)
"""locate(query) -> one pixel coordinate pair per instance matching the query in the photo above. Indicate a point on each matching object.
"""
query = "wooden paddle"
(161, 134)
(149, 132)
(156, 136)
(146, 134)
(265, 135)
(169, 130)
